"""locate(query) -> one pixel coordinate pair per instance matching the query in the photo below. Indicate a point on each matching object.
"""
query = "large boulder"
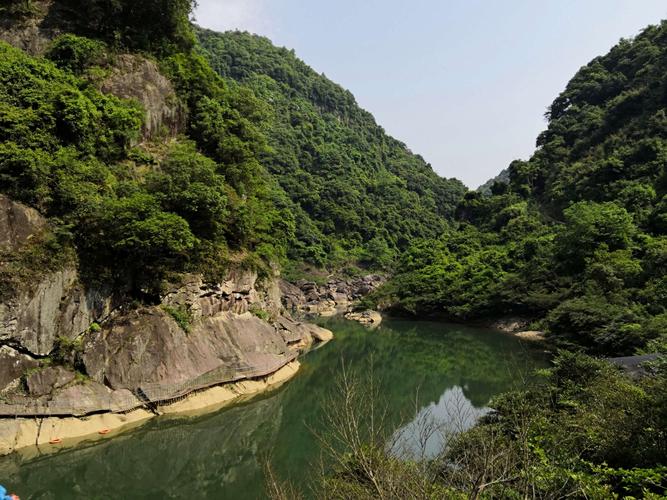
(148, 351)
(300, 333)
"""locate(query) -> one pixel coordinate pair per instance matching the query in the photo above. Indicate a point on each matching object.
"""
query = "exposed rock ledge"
(33, 437)
(336, 296)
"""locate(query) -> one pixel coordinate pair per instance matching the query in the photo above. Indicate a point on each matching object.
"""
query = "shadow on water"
(221, 455)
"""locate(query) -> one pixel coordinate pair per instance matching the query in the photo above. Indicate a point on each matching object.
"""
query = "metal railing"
(144, 395)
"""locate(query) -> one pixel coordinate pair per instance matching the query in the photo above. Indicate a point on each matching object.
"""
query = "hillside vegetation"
(276, 162)
(358, 194)
(577, 239)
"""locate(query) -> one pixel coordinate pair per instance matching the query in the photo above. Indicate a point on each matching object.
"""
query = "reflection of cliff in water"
(218, 456)
(221, 455)
(426, 358)
(428, 433)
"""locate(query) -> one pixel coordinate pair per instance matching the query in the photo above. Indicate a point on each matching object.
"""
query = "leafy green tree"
(588, 226)
(75, 53)
(188, 184)
(160, 26)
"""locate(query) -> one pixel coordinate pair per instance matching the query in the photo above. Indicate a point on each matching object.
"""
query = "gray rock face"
(335, 295)
(203, 300)
(18, 224)
(148, 350)
(30, 35)
(57, 307)
(292, 296)
(76, 399)
(82, 399)
(134, 77)
(12, 366)
(45, 381)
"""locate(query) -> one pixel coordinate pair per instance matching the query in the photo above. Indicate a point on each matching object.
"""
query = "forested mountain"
(577, 240)
(357, 191)
(135, 208)
(152, 149)
(271, 160)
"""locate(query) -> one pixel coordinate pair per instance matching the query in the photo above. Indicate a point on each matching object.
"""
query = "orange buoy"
(56, 441)
(104, 431)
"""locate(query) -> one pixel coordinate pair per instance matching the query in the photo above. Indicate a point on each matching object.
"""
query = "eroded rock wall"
(56, 307)
(135, 77)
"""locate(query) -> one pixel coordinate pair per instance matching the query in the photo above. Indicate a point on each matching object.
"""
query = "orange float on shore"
(56, 441)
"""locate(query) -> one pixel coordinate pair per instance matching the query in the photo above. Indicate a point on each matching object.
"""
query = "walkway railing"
(145, 395)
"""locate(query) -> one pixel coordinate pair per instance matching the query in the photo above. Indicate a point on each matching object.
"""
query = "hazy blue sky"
(464, 83)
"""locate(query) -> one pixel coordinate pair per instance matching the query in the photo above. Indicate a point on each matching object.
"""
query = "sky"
(464, 83)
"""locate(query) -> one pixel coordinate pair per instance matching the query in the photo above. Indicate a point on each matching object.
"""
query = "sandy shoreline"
(38, 436)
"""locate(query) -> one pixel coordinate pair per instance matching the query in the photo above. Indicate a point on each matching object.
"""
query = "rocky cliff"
(68, 349)
(335, 296)
(128, 76)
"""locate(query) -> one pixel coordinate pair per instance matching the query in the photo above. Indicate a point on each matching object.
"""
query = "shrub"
(181, 315)
(76, 53)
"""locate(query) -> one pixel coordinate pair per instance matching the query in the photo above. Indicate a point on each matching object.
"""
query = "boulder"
(296, 332)
(367, 318)
(45, 381)
(339, 298)
(531, 335)
(510, 324)
(148, 351)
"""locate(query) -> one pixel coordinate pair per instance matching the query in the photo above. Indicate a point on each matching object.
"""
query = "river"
(421, 368)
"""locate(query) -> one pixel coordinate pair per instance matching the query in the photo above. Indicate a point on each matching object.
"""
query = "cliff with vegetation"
(141, 236)
(145, 196)
(576, 241)
(157, 180)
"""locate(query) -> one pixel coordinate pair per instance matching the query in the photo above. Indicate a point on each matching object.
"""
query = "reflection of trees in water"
(212, 457)
(221, 455)
(434, 357)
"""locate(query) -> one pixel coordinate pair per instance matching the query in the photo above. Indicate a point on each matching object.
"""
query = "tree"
(588, 226)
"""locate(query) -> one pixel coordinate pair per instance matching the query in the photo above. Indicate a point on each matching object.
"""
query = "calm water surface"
(220, 455)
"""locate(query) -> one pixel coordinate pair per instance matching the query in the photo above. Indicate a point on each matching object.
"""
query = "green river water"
(220, 455)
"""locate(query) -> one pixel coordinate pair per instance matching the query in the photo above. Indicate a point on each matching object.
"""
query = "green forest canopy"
(577, 240)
